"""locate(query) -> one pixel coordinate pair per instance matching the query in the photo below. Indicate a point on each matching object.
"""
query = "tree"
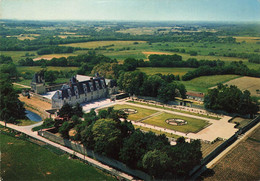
(168, 92)
(75, 120)
(133, 149)
(230, 99)
(107, 137)
(77, 110)
(64, 130)
(156, 162)
(11, 108)
(10, 70)
(131, 81)
(66, 111)
(50, 76)
(151, 85)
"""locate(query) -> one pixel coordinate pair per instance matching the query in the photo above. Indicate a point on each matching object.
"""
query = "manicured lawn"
(165, 70)
(176, 110)
(22, 160)
(141, 112)
(194, 125)
(201, 84)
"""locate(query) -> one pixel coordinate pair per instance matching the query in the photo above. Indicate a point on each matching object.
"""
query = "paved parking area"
(96, 104)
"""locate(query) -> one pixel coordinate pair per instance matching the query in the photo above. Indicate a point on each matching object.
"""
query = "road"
(25, 86)
(27, 130)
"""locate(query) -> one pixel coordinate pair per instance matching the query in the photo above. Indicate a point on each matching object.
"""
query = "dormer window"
(97, 85)
(91, 86)
(69, 93)
(103, 84)
(76, 91)
(85, 89)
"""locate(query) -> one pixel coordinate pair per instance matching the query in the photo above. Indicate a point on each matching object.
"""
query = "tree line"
(163, 87)
(231, 100)
(237, 68)
(91, 58)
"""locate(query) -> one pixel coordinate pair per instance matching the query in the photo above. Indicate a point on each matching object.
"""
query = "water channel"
(33, 116)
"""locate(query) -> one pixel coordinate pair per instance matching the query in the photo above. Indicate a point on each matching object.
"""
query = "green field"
(33, 69)
(194, 125)
(141, 112)
(165, 70)
(17, 55)
(22, 160)
(201, 84)
(95, 44)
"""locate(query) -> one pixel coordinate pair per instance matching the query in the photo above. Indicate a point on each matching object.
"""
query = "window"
(103, 84)
(76, 91)
(91, 86)
(97, 85)
(85, 88)
(69, 93)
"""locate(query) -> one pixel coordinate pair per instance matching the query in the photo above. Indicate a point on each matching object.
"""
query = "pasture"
(192, 126)
(247, 39)
(17, 55)
(165, 70)
(33, 69)
(241, 163)
(50, 56)
(22, 160)
(201, 84)
(251, 84)
(95, 44)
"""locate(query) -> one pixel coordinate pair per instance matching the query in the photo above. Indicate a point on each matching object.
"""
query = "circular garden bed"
(129, 111)
(176, 121)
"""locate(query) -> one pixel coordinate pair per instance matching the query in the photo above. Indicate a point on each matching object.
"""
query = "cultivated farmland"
(241, 163)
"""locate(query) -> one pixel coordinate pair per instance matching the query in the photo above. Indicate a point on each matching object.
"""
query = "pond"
(33, 116)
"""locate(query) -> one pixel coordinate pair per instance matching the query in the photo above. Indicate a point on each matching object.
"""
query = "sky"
(132, 10)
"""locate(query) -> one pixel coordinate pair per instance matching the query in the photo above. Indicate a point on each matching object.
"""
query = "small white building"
(197, 96)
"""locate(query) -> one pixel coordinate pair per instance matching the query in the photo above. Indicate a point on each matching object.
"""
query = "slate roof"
(80, 87)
